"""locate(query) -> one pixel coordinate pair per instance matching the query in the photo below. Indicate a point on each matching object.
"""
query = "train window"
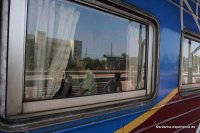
(76, 54)
(190, 66)
(68, 54)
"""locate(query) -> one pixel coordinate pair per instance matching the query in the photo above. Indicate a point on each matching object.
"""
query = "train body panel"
(169, 107)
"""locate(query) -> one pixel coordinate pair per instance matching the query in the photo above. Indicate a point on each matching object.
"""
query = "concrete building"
(113, 62)
(76, 50)
(45, 48)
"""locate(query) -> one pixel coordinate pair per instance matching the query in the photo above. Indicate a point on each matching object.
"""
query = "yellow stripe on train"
(138, 121)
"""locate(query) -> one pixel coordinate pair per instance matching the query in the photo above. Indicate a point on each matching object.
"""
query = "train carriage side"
(100, 66)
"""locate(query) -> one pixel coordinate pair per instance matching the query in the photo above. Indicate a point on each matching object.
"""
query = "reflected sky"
(97, 30)
(194, 46)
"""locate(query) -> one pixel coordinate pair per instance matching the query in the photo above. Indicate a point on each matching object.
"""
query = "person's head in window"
(80, 66)
(117, 76)
(114, 85)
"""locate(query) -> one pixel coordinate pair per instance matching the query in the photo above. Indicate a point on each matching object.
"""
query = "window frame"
(194, 88)
(15, 83)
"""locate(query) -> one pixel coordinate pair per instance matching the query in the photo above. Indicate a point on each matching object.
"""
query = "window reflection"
(191, 62)
(73, 50)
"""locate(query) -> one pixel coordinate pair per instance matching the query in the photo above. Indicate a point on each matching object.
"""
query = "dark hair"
(117, 76)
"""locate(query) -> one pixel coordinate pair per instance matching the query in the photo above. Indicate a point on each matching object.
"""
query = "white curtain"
(54, 25)
(136, 45)
(132, 51)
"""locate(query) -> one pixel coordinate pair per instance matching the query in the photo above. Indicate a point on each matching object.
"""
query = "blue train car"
(85, 66)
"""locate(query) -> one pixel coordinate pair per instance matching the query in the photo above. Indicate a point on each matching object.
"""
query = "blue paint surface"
(169, 19)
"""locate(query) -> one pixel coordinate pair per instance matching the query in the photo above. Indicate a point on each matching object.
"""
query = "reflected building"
(76, 50)
(37, 44)
(113, 62)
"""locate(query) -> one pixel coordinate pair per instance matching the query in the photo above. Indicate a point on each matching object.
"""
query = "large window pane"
(72, 50)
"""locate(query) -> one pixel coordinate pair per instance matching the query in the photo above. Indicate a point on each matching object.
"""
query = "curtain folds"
(54, 25)
(136, 44)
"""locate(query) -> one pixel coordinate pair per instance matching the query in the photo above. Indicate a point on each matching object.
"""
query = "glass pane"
(195, 62)
(72, 50)
(185, 61)
(191, 62)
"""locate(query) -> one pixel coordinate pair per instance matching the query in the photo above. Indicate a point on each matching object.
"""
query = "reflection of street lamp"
(111, 50)
(86, 53)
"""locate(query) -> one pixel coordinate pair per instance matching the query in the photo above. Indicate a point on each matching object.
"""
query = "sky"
(96, 29)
